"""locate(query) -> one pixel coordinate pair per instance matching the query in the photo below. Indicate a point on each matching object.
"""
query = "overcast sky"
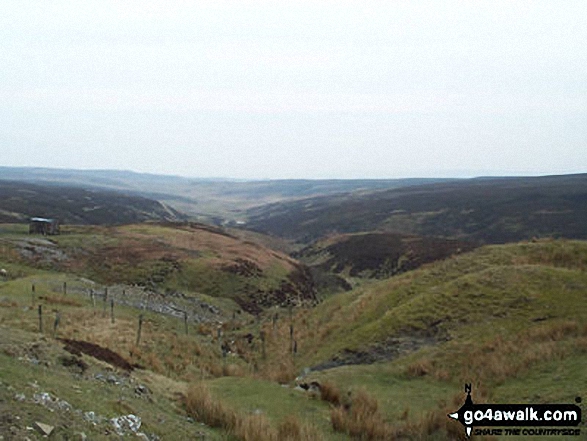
(295, 89)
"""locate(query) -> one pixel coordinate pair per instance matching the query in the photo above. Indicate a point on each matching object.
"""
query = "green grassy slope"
(41, 381)
(169, 258)
(511, 319)
(496, 289)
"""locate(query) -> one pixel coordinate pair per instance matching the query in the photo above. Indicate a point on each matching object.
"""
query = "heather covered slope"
(377, 254)
(169, 258)
(215, 200)
(491, 210)
(20, 201)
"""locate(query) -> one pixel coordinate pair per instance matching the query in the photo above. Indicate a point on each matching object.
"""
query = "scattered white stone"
(43, 398)
(126, 423)
(64, 405)
(44, 429)
(52, 403)
(91, 417)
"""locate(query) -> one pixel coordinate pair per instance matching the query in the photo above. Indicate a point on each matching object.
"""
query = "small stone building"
(40, 225)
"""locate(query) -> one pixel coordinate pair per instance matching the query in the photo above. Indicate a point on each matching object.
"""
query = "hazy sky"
(295, 89)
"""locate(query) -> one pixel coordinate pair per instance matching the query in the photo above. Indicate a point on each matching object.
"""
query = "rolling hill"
(377, 254)
(491, 210)
(210, 334)
(212, 200)
(509, 319)
(20, 201)
(386, 360)
(169, 258)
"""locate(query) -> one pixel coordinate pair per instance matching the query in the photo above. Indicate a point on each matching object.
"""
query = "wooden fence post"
(41, 319)
(64, 288)
(139, 331)
(33, 296)
(185, 321)
(112, 310)
(56, 323)
(105, 300)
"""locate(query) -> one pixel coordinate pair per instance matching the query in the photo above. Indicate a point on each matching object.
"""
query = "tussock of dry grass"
(362, 419)
(282, 373)
(331, 393)
(203, 407)
(420, 368)
(254, 428)
(500, 359)
(290, 429)
(581, 344)
(279, 364)
(555, 331)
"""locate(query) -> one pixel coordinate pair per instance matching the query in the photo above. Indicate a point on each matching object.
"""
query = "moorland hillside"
(491, 210)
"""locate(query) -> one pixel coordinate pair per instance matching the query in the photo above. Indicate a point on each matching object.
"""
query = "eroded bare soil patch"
(78, 347)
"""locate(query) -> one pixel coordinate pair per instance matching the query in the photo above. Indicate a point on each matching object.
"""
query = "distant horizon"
(232, 179)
